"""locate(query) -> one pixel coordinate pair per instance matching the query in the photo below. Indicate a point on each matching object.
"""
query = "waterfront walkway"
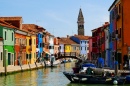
(18, 68)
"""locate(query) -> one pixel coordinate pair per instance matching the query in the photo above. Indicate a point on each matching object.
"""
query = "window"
(85, 48)
(49, 47)
(85, 42)
(5, 35)
(81, 42)
(30, 42)
(40, 44)
(1, 56)
(81, 48)
(75, 48)
(119, 9)
(12, 36)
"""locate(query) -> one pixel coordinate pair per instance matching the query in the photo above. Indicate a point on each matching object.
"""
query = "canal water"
(42, 77)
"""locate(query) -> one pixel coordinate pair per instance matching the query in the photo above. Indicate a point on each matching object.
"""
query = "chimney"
(106, 22)
(67, 36)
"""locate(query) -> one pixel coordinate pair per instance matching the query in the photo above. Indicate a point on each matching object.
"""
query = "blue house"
(84, 44)
(40, 44)
(112, 42)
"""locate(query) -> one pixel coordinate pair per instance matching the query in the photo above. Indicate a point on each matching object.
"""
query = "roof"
(80, 14)
(112, 5)
(11, 18)
(5, 24)
(29, 27)
(66, 41)
(82, 37)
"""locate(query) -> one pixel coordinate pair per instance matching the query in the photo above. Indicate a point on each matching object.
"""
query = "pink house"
(90, 49)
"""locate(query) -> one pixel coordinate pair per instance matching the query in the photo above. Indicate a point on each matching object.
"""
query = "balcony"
(22, 46)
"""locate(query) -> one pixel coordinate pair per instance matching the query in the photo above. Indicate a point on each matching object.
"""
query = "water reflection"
(41, 77)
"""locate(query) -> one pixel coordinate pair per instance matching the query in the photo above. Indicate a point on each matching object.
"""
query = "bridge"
(68, 55)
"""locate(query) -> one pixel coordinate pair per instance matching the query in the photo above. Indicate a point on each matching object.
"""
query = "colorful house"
(94, 44)
(56, 46)
(8, 41)
(120, 14)
(84, 44)
(31, 42)
(46, 51)
(20, 47)
(68, 46)
(90, 49)
(17, 22)
(107, 57)
(51, 44)
(40, 43)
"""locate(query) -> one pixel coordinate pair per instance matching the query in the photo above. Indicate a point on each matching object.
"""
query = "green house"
(7, 33)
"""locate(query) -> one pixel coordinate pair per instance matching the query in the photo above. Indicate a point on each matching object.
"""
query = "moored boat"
(93, 79)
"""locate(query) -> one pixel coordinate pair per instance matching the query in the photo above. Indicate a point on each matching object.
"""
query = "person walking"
(52, 59)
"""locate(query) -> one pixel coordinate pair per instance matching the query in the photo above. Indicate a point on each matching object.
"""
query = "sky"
(59, 17)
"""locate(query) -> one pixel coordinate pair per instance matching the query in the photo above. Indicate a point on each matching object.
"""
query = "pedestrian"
(52, 59)
(100, 61)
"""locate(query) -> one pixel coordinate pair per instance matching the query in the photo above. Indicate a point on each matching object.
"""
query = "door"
(9, 59)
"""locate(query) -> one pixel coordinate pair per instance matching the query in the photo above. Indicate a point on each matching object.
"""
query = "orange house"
(20, 47)
(122, 15)
(46, 52)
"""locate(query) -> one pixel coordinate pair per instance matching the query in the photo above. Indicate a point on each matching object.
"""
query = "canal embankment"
(14, 69)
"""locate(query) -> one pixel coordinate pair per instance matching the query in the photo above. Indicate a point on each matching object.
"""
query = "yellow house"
(33, 47)
(28, 49)
(67, 47)
(31, 42)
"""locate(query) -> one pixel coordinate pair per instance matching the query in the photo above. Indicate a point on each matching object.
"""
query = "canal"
(41, 77)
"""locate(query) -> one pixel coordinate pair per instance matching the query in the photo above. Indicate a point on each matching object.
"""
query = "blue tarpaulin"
(88, 65)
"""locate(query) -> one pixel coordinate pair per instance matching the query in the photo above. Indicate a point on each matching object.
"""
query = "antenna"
(72, 32)
(37, 21)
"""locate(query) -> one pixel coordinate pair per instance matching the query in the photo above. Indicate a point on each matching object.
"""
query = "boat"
(90, 74)
(94, 79)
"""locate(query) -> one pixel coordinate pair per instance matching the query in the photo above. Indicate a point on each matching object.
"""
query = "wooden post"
(36, 65)
(29, 65)
(116, 67)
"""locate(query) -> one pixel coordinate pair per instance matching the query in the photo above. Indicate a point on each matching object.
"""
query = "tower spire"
(80, 14)
(80, 23)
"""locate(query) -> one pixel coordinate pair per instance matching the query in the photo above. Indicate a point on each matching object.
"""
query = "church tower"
(80, 23)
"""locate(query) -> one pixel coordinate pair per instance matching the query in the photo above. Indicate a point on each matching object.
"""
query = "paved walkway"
(12, 69)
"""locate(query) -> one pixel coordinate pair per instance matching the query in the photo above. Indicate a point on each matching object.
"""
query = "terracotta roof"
(29, 27)
(11, 18)
(66, 41)
(81, 37)
(5, 24)
(39, 27)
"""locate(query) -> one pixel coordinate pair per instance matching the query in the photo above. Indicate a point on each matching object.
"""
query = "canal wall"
(16, 69)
